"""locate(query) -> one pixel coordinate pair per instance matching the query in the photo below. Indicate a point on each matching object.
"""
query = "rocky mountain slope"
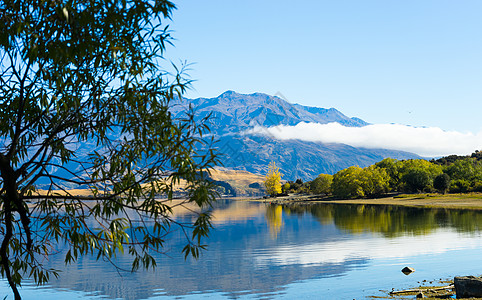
(233, 114)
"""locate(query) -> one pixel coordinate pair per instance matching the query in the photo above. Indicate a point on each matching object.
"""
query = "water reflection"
(274, 217)
(257, 250)
(391, 221)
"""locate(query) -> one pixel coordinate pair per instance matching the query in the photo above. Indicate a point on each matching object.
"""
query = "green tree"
(348, 182)
(89, 71)
(417, 174)
(286, 187)
(416, 180)
(357, 182)
(442, 183)
(392, 167)
(272, 181)
(375, 181)
(322, 184)
(469, 169)
(459, 186)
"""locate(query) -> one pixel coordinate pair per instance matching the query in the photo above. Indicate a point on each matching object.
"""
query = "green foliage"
(375, 181)
(357, 182)
(460, 186)
(347, 183)
(441, 183)
(476, 186)
(453, 173)
(77, 71)
(285, 187)
(392, 168)
(417, 175)
(416, 180)
(272, 181)
(465, 172)
(450, 159)
(322, 184)
(469, 169)
(294, 186)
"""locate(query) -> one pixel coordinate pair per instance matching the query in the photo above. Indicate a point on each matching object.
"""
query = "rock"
(468, 286)
(408, 270)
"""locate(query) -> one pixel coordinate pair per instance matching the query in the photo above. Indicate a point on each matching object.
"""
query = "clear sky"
(412, 62)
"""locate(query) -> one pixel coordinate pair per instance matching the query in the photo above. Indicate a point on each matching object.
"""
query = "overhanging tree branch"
(85, 103)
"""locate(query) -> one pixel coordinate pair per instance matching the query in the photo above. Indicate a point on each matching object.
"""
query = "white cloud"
(424, 141)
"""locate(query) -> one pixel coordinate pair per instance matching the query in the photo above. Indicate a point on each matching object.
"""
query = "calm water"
(262, 251)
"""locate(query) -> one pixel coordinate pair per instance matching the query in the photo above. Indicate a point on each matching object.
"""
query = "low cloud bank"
(424, 141)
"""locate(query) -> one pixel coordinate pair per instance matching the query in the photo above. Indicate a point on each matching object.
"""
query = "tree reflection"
(391, 221)
(274, 217)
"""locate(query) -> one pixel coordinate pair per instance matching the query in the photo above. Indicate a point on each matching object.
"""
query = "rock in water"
(408, 270)
(468, 286)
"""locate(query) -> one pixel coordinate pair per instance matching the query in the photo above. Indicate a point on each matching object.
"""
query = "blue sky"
(409, 62)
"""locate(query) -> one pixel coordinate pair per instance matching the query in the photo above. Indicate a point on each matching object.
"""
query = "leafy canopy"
(322, 184)
(78, 75)
(356, 182)
(272, 181)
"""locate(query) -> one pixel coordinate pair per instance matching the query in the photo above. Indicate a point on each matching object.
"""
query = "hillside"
(242, 182)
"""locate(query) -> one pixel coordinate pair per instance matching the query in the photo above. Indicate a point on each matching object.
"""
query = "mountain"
(233, 114)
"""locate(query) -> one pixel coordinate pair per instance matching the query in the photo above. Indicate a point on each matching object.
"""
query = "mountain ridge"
(233, 114)
(232, 111)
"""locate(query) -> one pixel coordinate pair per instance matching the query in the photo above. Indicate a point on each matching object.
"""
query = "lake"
(264, 251)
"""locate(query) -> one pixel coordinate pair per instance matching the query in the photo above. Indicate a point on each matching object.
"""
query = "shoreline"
(470, 201)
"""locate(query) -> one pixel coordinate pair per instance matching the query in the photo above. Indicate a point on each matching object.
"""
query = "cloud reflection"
(440, 241)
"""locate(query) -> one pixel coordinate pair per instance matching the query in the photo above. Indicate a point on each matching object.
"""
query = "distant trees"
(272, 181)
(455, 174)
(297, 186)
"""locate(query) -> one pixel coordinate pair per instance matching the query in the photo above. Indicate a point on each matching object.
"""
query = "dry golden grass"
(237, 176)
(239, 180)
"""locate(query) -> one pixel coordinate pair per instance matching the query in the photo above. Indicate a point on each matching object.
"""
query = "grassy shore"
(455, 201)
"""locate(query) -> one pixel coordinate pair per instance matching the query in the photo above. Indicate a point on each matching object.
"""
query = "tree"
(285, 187)
(272, 181)
(392, 167)
(87, 73)
(322, 184)
(468, 168)
(416, 180)
(375, 181)
(357, 182)
(347, 183)
(417, 174)
(442, 183)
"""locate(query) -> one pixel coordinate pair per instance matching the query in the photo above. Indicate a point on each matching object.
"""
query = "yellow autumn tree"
(272, 181)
